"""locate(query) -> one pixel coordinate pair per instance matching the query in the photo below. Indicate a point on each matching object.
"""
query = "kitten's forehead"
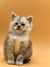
(20, 19)
(17, 18)
(23, 19)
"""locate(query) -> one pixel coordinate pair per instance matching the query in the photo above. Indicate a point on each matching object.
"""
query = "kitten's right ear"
(29, 18)
(13, 15)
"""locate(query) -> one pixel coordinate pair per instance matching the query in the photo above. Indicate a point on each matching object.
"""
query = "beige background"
(40, 34)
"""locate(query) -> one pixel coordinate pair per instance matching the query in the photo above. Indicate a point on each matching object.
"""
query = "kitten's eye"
(16, 23)
(23, 24)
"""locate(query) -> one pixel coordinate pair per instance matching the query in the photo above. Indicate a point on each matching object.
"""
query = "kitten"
(17, 46)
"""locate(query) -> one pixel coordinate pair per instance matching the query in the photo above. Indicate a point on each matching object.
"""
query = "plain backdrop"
(40, 34)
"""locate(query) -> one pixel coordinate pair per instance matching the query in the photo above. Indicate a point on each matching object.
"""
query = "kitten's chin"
(18, 31)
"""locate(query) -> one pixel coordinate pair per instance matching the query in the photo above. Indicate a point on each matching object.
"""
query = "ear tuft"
(29, 18)
(13, 15)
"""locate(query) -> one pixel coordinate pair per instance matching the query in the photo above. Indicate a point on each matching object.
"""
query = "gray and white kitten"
(17, 46)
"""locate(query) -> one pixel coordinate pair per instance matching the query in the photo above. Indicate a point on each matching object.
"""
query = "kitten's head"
(20, 24)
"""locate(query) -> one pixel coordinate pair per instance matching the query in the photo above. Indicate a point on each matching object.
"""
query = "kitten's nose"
(18, 26)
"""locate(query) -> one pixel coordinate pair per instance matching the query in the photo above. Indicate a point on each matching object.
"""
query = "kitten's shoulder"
(7, 38)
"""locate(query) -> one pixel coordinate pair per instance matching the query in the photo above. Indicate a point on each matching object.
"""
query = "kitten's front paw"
(19, 63)
(11, 62)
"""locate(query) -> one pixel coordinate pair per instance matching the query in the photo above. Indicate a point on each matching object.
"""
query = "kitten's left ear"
(30, 18)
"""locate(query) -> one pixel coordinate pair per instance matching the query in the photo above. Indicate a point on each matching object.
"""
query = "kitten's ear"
(30, 18)
(13, 15)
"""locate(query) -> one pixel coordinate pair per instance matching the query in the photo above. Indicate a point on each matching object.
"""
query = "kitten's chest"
(20, 45)
(19, 38)
(17, 42)
(16, 47)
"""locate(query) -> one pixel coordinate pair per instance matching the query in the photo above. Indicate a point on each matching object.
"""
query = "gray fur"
(17, 47)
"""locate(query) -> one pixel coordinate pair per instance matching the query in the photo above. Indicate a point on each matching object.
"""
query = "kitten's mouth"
(19, 29)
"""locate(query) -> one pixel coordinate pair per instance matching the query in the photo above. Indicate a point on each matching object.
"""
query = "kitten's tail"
(26, 61)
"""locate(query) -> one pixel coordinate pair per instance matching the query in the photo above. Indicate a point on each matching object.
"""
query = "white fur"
(23, 20)
(27, 28)
(19, 37)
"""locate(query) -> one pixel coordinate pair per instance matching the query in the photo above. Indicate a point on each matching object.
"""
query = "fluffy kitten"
(17, 47)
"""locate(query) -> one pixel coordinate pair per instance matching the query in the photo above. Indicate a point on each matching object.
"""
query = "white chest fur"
(18, 40)
(19, 37)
